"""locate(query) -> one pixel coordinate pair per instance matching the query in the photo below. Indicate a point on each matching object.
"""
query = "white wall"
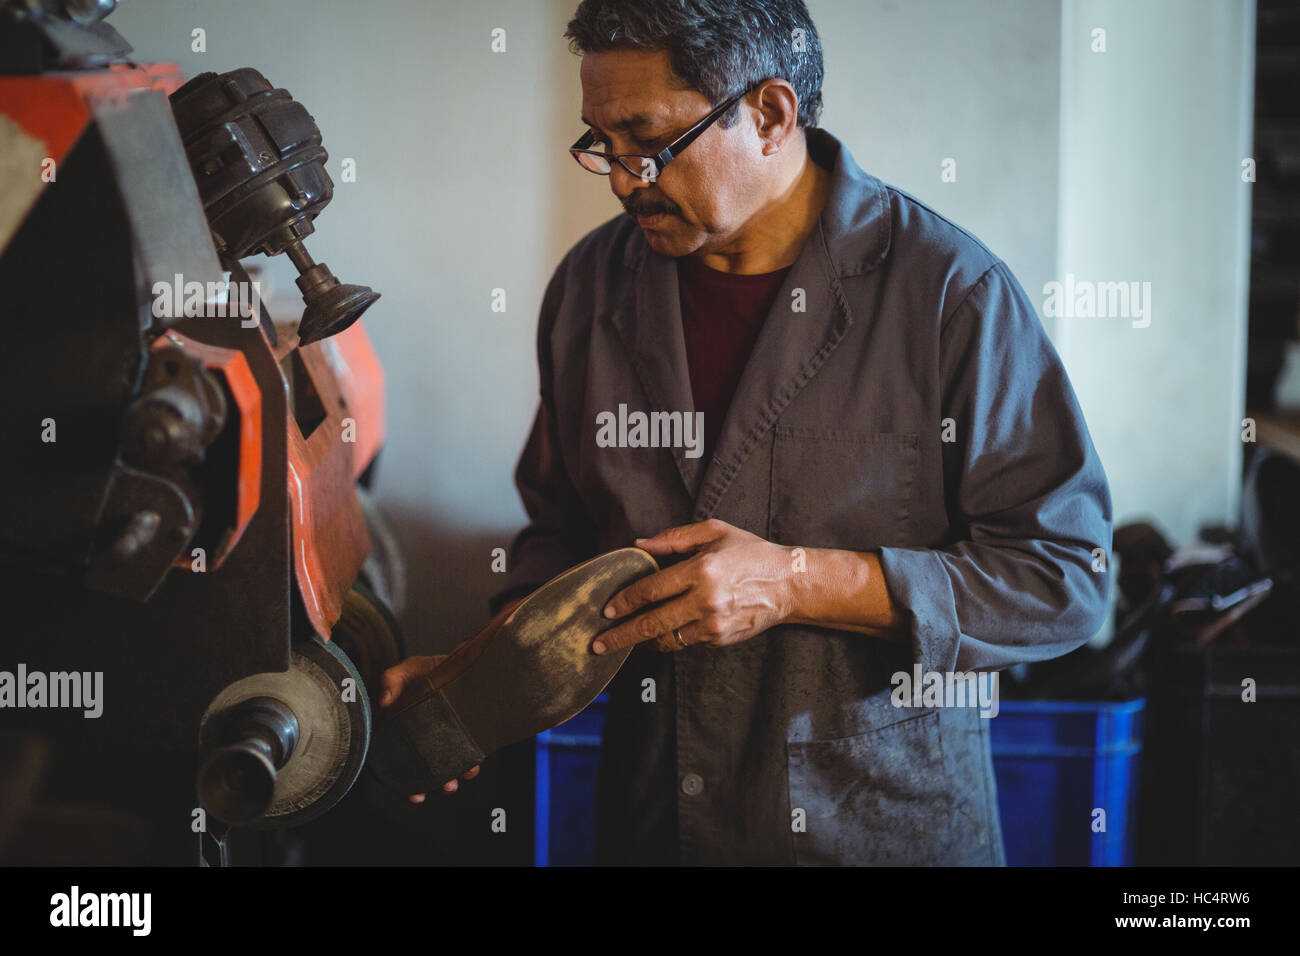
(1153, 134)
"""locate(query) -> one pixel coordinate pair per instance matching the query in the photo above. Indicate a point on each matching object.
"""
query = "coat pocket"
(892, 797)
(870, 799)
(842, 489)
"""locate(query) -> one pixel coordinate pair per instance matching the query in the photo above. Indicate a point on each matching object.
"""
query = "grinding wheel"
(282, 748)
(521, 675)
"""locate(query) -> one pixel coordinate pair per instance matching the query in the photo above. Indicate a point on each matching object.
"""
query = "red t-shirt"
(722, 314)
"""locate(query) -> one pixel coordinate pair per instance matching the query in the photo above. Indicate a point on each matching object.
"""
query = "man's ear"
(777, 114)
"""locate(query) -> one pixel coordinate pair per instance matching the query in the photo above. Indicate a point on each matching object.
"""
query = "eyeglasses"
(595, 161)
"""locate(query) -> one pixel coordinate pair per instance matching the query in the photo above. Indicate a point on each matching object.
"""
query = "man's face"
(635, 104)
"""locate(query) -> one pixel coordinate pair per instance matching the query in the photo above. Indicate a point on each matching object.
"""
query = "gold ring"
(678, 635)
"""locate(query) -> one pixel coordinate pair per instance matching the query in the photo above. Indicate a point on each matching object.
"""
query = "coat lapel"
(651, 329)
(791, 346)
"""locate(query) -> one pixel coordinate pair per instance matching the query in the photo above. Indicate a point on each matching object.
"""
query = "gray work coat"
(914, 408)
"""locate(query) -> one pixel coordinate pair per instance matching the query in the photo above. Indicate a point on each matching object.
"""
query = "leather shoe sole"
(527, 671)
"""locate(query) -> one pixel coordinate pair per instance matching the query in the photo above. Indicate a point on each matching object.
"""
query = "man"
(895, 475)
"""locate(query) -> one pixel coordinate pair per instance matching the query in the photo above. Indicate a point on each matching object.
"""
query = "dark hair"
(719, 47)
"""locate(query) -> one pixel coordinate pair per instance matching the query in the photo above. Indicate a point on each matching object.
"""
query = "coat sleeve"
(1026, 577)
(560, 532)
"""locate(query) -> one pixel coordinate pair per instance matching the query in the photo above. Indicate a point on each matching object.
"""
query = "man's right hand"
(410, 672)
(413, 672)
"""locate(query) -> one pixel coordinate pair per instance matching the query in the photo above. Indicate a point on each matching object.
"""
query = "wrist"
(793, 598)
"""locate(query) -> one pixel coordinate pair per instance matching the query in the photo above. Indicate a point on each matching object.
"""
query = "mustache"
(637, 207)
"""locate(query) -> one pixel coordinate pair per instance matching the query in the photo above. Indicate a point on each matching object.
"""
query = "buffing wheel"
(326, 734)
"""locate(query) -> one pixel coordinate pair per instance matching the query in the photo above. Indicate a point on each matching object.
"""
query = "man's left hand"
(735, 586)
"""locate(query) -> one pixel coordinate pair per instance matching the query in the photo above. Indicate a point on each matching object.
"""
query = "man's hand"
(410, 674)
(735, 586)
(396, 680)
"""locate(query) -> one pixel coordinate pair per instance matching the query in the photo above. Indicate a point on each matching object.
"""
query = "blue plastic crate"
(567, 756)
(1056, 763)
